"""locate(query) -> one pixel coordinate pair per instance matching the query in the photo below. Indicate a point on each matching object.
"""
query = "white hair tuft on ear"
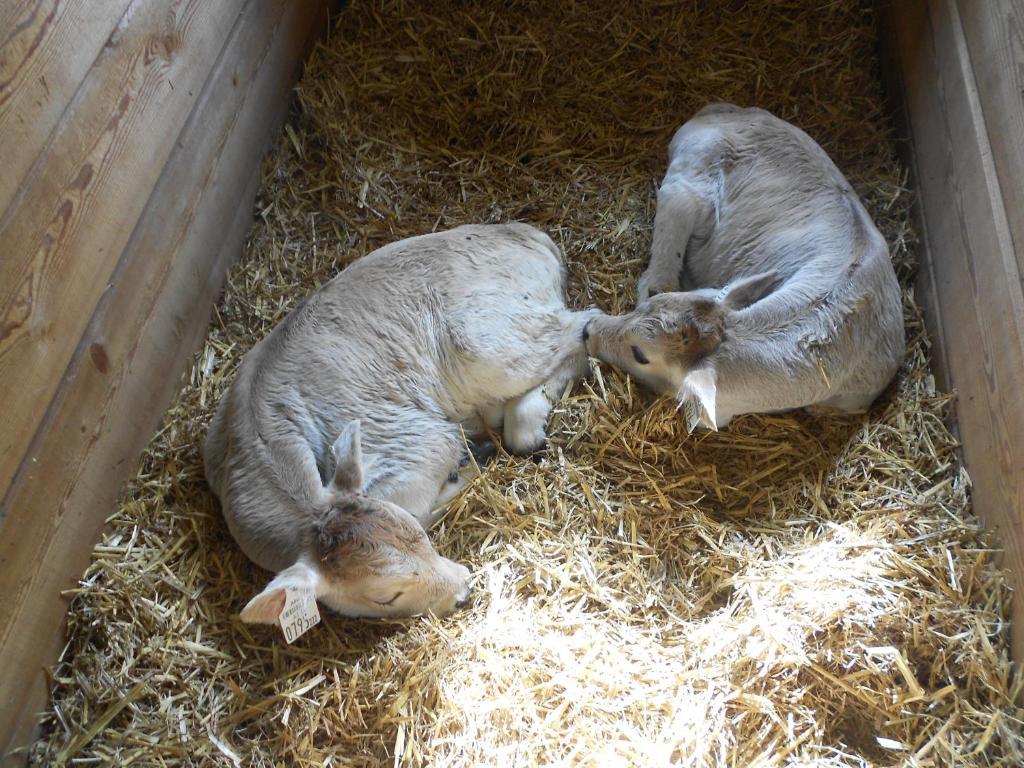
(697, 396)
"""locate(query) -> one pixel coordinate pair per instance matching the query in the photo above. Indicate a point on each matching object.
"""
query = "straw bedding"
(797, 590)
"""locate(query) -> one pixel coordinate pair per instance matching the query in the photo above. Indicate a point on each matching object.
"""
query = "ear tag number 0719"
(300, 613)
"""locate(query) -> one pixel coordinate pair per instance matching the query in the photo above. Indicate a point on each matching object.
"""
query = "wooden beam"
(968, 252)
(994, 30)
(125, 370)
(66, 230)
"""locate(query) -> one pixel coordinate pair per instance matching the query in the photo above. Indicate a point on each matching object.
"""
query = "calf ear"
(348, 460)
(266, 607)
(697, 396)
(741, 293)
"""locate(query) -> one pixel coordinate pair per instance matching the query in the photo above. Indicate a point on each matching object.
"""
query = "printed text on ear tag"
(300, 613)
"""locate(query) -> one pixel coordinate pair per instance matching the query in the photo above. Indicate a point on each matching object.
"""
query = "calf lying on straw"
(405, 349)
(769, 287)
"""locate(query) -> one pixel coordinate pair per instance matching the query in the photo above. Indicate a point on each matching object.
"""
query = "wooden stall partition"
(956, 69)
(116, 264)
(66, 228)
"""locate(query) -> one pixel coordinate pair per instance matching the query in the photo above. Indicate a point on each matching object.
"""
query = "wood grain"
(67, 228)
(970, 254)
(925, 291)
(126, 367)
(994, 30)
(46, 48)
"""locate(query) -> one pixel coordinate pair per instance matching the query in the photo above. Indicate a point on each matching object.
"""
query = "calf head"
(668, 342)
(369, 558)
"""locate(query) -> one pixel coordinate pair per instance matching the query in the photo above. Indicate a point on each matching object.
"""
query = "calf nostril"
(586, 333)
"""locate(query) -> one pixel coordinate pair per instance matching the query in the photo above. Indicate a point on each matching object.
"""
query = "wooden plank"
(976, 273)
(144, 333)
(994, 30)
(45, 50)
(24, 689)
(64, 234)
(925, 290)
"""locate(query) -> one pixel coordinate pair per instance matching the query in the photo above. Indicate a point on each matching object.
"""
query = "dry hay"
(794, 591)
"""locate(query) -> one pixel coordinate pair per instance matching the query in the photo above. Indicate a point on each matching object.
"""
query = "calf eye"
(639, 356)
(392, 600)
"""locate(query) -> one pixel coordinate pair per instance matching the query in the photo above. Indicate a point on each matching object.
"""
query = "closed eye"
(392, 600)
(639, 356)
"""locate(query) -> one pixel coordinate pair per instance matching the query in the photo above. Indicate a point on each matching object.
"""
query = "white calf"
(769, 287)
(419, 341)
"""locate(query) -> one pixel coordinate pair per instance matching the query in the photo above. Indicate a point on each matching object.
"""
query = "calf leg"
(425, 486)
(468, 469)
(526, 421)
(680, 210)
(422, 490)
(526, 417)
(493, 415)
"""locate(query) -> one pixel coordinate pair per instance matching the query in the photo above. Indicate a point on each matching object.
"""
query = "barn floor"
(793, 591)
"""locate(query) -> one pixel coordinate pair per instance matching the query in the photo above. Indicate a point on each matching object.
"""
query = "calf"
(769, 287)
(344, 429)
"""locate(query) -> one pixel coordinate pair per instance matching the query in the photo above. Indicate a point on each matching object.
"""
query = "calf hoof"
(526, 442)
(482, 451)
(651, 285)
(526, 423)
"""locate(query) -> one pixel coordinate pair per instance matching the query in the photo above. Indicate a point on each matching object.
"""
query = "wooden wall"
(131, 133)
(130, 138)
(957, 70)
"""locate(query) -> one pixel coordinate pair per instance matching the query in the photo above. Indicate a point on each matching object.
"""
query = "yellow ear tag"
(300, 613)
